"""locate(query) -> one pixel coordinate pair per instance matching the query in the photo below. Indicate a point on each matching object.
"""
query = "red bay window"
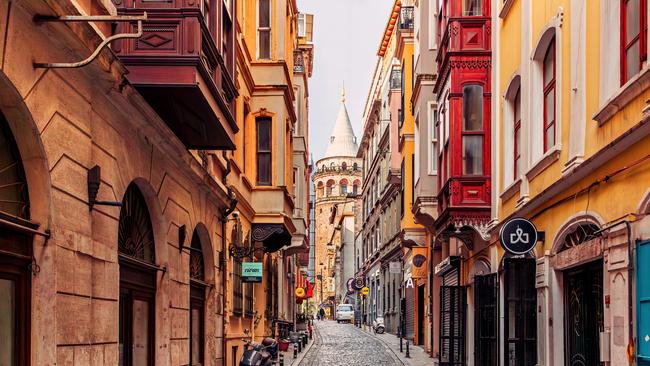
(634, 29)
(549, 97)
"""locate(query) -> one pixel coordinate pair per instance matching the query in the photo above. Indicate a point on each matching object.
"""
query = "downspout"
(224, 272)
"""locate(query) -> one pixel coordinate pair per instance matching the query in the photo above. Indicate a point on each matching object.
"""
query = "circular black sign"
(518, 236)
(359, 283)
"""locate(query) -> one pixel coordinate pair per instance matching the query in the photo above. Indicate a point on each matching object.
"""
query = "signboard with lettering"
(518, 236)
(419, 262)
(251, 272)
(365, 291)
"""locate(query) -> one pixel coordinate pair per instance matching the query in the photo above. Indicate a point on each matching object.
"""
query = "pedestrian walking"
(321, 312)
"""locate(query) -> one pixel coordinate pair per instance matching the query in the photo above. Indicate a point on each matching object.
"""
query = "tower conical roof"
(342, 141)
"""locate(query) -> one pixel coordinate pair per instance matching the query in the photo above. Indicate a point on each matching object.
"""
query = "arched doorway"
(197, 301)
(15, 253)
(137, 281)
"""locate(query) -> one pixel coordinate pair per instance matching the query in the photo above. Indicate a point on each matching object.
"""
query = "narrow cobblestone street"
(344, 344)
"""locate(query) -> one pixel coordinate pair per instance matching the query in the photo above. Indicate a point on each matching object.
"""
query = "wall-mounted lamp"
(182, 234)
(94, 181)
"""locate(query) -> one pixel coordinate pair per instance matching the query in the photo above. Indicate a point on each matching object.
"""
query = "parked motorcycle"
(256, 354)
(378, 325)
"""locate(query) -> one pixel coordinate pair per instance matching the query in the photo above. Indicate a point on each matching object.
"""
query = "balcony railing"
(338, 169)
(406, 18)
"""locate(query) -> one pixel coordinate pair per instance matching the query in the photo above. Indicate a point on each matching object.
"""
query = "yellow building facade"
(570, 154)
(269, 223)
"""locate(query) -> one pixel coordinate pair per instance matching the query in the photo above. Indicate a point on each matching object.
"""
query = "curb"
(301, 356)
(399, 356)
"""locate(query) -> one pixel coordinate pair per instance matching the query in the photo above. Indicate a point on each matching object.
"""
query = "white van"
(345, 313)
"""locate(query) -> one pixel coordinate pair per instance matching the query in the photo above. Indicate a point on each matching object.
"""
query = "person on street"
(321, 312)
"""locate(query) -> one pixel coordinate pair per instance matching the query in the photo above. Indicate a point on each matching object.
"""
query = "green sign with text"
(251, 272)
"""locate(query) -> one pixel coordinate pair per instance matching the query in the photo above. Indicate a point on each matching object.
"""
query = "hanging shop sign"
(518, 236)
(251, 272)
(300, 292)
(419, 268)
(359, 283)
(395, 267)
(409, 283)
(350, 285)
(446, 265)
(365, 291)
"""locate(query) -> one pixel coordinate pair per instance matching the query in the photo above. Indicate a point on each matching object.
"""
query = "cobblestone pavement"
(344, 344)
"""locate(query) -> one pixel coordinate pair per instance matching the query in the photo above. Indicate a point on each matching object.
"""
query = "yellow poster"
(419, 260)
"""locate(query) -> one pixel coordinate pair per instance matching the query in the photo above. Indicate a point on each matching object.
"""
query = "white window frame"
(263, 29)
(302, 25)
(432, 139)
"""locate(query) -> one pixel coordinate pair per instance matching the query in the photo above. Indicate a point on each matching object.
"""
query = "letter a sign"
(518, 236)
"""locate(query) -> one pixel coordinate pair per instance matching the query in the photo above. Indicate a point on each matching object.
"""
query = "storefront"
(452, 312)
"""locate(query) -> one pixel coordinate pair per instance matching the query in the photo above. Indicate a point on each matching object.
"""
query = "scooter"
(256, 354)
(378, 325)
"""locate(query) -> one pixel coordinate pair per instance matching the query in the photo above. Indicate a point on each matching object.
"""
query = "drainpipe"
(224, 272)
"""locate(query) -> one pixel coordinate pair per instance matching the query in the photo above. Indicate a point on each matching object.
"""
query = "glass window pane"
(264, 135)
(140, 332)
(264, 168)
(7, 321)
(632, 20)
(473, 108)
(434, 156)
(632, 60)
(549, 64)
(264, 13)
(550, 137)
(472, 7)
(517, 142)
(517, 106)
(549, 105)
(265, 44)
(196, 336)
(472, 154)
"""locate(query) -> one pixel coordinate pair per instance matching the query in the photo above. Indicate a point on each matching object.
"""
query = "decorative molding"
(475, 63)
(511, 190)
(505, 8)
(261, 232)
(623, 96)
(549, 158)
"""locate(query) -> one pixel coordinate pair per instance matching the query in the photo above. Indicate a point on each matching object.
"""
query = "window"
(634, 30)
(355, 167)
(549, 97)
(263, 151)
(344, 166)
(302, 25)
(330, 188)
(472, 7)
(517, 135)
(472, 130)
(520, 307)
(433, 140)
(486, 319)
(237, 287)
(319, 190)
(344, 187)
(197, 301)
(264, 29)
(402, 189)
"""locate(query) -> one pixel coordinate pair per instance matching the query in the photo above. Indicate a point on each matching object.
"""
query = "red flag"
(309, 292)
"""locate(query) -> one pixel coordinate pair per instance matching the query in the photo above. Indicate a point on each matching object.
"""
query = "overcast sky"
(346, 38)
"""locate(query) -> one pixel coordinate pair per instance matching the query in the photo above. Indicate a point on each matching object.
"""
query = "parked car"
(344, 313)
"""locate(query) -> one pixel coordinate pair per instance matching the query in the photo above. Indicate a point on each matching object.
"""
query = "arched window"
(355, 187)
(330, 187)
(355, 167)
(549, 97)
(580, 234)
(516, 136)
(344, 166)
(343, 187)
(197, 301)
(137, 280)
(15, 253)
(634, 29)
(319, 189)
